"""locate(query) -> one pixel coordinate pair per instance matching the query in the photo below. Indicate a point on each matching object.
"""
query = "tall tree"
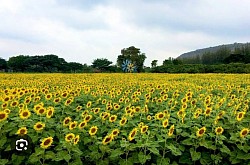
(134, 55)
(154, 63)
(3, 64)
(102, 64)
(18, 63)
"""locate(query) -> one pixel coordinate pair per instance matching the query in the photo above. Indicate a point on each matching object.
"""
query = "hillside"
(210, 49)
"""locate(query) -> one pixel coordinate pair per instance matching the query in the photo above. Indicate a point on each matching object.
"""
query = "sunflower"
(22, 131)
(46, 142)
(69, 137)
(105, 115)
(144, 129)
(149, 117)
(219, 130)
(87, 118)
(184, 106)
(171, 130)
(104, 101)
(50, 112)
(88, 105)
(25, 114)
(68, 101)
(165, 123)
(201, 132)
(97, 110)
(160, 116)
(41, 111)
(112, 118)
(3, 116)
(116, 106)
(73, 125)
(93, 130)
(82, 124)
(240, 116)
(207, 111)
(39, 126)
(66, 121)
(78, 108)
(76, 139)
(27, 100)
(180, 113)
(14, 104)
(196, 115)
(115, 132)
(57, 100)
(107, 139)
(132, 134)
(244, 132)
(48, 96)
(85, 112)
(221, 114)
(64, 94)
(123, 121)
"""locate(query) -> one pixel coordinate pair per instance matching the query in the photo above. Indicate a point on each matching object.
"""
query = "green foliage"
(101, 64)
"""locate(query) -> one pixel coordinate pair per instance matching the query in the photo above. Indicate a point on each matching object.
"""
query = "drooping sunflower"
(46, 142)
(25, 114)
(82, 124)
(97, 110)
(57, 100)
(3, 116)
(93, 130)
(244, 132)
(201, 132)
(165, 123)
(132, 134)
(22, 131)
(66, 121)
(69, 137)
(240, 116)
(112, 118)
(171, 130)
(219, 130)
(72, 125)
(123, 121)
(68, 101)
(144, 129)
(39, 126)
(107, 139)
(76, 139)
(88, 105)
(115, 132)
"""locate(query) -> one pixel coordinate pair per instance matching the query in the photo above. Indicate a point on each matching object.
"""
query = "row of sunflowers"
(126, 118)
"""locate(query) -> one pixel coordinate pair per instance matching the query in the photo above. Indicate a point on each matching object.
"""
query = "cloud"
(82, 31)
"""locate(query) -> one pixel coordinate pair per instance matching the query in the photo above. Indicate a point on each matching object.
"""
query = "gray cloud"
(84, 30)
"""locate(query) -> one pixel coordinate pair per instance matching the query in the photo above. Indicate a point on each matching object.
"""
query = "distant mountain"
(210, 49)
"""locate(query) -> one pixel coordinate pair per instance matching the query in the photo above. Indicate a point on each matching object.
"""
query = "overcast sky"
(83, 30)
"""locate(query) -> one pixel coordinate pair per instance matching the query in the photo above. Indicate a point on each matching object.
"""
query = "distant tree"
(102, 64)
(154, 63)
(177, 62)
(3, 64)
(75, 67)
(168, 62)
(134, 55)
(18, 63)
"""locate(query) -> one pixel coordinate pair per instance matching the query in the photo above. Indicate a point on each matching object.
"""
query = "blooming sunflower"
(48, 96)
(76, 139)
(25, 114)
(46, 142)
(39, 126)
(78, 108)
(207, 111)
(180, 113)
(66, 121)
(87, 118)
(93, 130)
(240, 116)
(201, 132)
(112, 118)
(219, 130)
(171, 130)
(107, 139)
(68, 101)
(3, 116)
(115, 132)
(165, 123)
(244, 132)
(82, 124)
(41, 111)
(50, 112)
(57, 100)
(149, 117)
(160, 116)
(22, 131)
(97, 110)
(73, 125)
(69, 137)
(88, 105)
(144, 129)
(132, 134)
(123, 121)
(14, 104)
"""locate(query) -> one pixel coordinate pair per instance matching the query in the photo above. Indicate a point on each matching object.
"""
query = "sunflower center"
(244, 133)
(93, 130)
(66, 121)
(22, 131)
(39, 126)
(82, 125)
(41, 111)
(87, 118)
(25, 114)
(47, 142)
(133, 134)
(50, 113)
(161, 116)
(69, 137)
(240, 115)
(2, 116)
(112, 118)
(219, 130)
(201, 131)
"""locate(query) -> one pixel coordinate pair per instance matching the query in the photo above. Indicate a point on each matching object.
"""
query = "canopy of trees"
(134, 55)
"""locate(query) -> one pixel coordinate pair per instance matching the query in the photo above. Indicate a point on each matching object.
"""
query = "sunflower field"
(126, 118)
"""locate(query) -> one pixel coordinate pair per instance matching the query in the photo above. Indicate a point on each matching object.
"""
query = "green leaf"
(188, 142)
(143, 158)
(115, 153)
(95, 155)
(175, 151)
(208, 144)
(33, 159)
(3, 141)
(225, 149)
(3, 161)
(16, 160)
(194, 155)
(163, 161)
(243, 156)
(86, 140)
(104, 149)
(76, 150)
(154, 150)
(39, 151)
(62, 155)
(50, 155)
(185, 158)
(216, 158)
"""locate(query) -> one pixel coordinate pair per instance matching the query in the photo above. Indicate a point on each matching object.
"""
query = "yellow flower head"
(69, 137)
(82, 124)
(240, 116)
(73, 125)
(87, 118)
(115, 132)
(76, 139)
(201, 132)
(123, 121)
(39, 126)
(132, 134)
(112, 118)
(165, 123)
(144, 129)
(25, 114)
(244, 132)
(3, 116)
(107, 139)
(46, 142)
(171, 130)
(219, 130)
(22, 131)
(66, 121)
(93, 130)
